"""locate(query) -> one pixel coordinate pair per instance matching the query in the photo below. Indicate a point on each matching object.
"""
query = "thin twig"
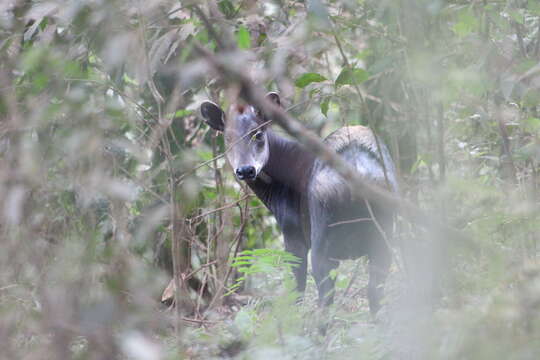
(192, 170)
(219, 41)
(352, 221)
(188, 276)
(507, 162)
(221, 254)
(537, 46)
(440, 143)
(243, 218)
(151, 85)
(199, 321)
(144, 186)
(353, 279)
(519, 35)
(8, 287)
(383, 234)
(227, 206)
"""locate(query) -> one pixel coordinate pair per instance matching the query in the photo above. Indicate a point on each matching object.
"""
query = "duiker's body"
(312, 204)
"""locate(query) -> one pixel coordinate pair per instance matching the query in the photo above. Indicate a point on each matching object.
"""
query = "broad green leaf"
(308, 78)
(324, 106)
(242, 38)
(466, 24)
(227, 8)
(351, 76)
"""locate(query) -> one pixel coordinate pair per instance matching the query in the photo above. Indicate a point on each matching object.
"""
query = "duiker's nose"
(246, 172)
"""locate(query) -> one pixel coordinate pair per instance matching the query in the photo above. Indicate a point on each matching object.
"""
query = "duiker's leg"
(297, 247)
(321, 272)
(320, 262)
(380, 259)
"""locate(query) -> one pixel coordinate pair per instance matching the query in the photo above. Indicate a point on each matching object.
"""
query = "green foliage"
(270, 262)
(466, 24)
(325, 104)
(242, 38)
(227, 8)
(308, 78)
(351, 76)
(104, 162)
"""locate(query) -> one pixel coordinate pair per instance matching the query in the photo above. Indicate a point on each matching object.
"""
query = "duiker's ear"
(273, 97)
(213, 115)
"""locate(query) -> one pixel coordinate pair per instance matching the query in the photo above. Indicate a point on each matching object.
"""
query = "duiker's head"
(245, 131)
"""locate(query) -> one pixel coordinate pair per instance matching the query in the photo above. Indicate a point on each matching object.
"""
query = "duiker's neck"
(289, 164)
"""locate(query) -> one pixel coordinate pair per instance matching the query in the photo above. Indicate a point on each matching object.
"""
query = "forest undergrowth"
(125, 235)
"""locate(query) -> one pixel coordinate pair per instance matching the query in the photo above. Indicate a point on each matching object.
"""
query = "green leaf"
(324, 106)
(205, 155)
(351, 76)
(40, 81)
(418, 164)
(531, 98)
(227, 8)
(308, 78)
(342, 283)
(33, 58)
(242, 38)
(517, 16)
(466, 24)
(179, 113)
(364, 54)
(532, 125)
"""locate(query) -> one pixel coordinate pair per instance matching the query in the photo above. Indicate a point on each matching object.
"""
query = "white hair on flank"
(357, 145)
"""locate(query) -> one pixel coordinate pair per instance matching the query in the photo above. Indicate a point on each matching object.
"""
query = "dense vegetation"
(110, 183)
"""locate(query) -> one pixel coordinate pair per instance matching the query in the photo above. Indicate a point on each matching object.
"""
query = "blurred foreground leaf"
(308, 78)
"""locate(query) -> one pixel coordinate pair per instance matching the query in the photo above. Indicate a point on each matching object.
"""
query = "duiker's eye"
(258, 136)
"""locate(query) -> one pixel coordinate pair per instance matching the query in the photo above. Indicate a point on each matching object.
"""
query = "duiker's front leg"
(296, 246)
(322, 266)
